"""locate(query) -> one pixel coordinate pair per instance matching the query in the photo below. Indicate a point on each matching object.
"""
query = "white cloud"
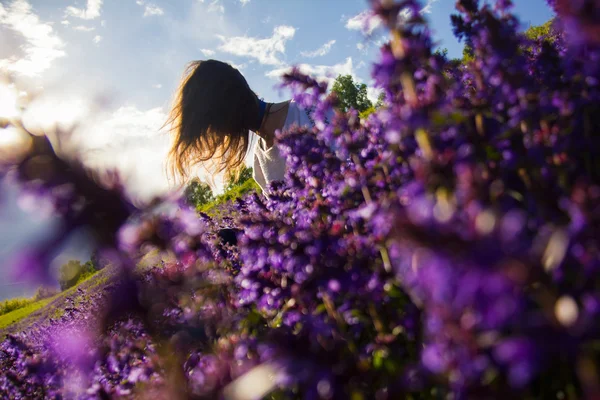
(321, 51)
(329, 73)
(381, 41)
(127, 122)
(366, 45)
(266, 50)
(373, 93)
(91, 11)
(153, 10)
(47, 112)
(216, 6)
(157, 86)
(42, 46)
(130, 140)
(237, 66)
(365, 22)
(208, 52)
(150, 9)
(428, 7)
(244, 2)
(84, 28)
(97, 39)
(326, 73)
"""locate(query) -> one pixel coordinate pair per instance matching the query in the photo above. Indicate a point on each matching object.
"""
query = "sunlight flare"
(8, 101)
(48, 114)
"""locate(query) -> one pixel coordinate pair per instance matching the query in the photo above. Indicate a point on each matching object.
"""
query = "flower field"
(446, 247)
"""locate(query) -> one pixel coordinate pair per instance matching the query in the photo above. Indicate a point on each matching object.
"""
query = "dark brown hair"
(213, 111)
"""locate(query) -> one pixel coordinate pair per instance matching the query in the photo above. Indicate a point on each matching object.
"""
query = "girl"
(214, 110)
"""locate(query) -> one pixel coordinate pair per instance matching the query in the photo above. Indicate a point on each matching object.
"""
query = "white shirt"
(269, 165)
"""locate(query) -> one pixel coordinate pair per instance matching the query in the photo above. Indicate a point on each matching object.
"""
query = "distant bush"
(74, 272)
(42, 293)
(45, 292)
(14, 304)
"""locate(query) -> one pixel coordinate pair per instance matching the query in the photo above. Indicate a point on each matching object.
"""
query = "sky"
(112, 66)
(116, 64)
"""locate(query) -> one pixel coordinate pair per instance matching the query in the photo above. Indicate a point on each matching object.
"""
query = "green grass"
(84, 277)
(17, 315)
(237, 192)
(11, 305)
(153, 258)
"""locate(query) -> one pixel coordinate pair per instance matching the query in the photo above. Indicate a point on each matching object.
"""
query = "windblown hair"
(213, 111)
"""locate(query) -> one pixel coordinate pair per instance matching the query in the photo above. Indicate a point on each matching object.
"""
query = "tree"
(536, 31)
(351, 94)
(68, 274)
(98, 261)
(441, 52)
(468, 54)
(244, 175)
(73, 272)
(198, 193)
(380, 100)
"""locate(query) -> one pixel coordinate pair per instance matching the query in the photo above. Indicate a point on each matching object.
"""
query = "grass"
(53, 307)
(21, 313)
(18, 314)
(84, 277)
(237, 192)
(11, 305)
(153, 258)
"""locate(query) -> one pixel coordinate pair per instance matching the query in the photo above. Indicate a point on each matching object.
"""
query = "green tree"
(351, 94)
(98, 261)
(244, 175)
(441, 52)
(468, 54)
(537, 31)
(534, 32)
(73, 272)
(380, 100)
(198, 193)
(68, 274)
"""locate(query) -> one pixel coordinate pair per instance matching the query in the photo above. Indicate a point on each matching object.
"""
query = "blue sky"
(133, 52)
(145, 44)
(69, 54)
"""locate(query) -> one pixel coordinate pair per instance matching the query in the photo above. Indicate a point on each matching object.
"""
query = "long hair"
(212, 113)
